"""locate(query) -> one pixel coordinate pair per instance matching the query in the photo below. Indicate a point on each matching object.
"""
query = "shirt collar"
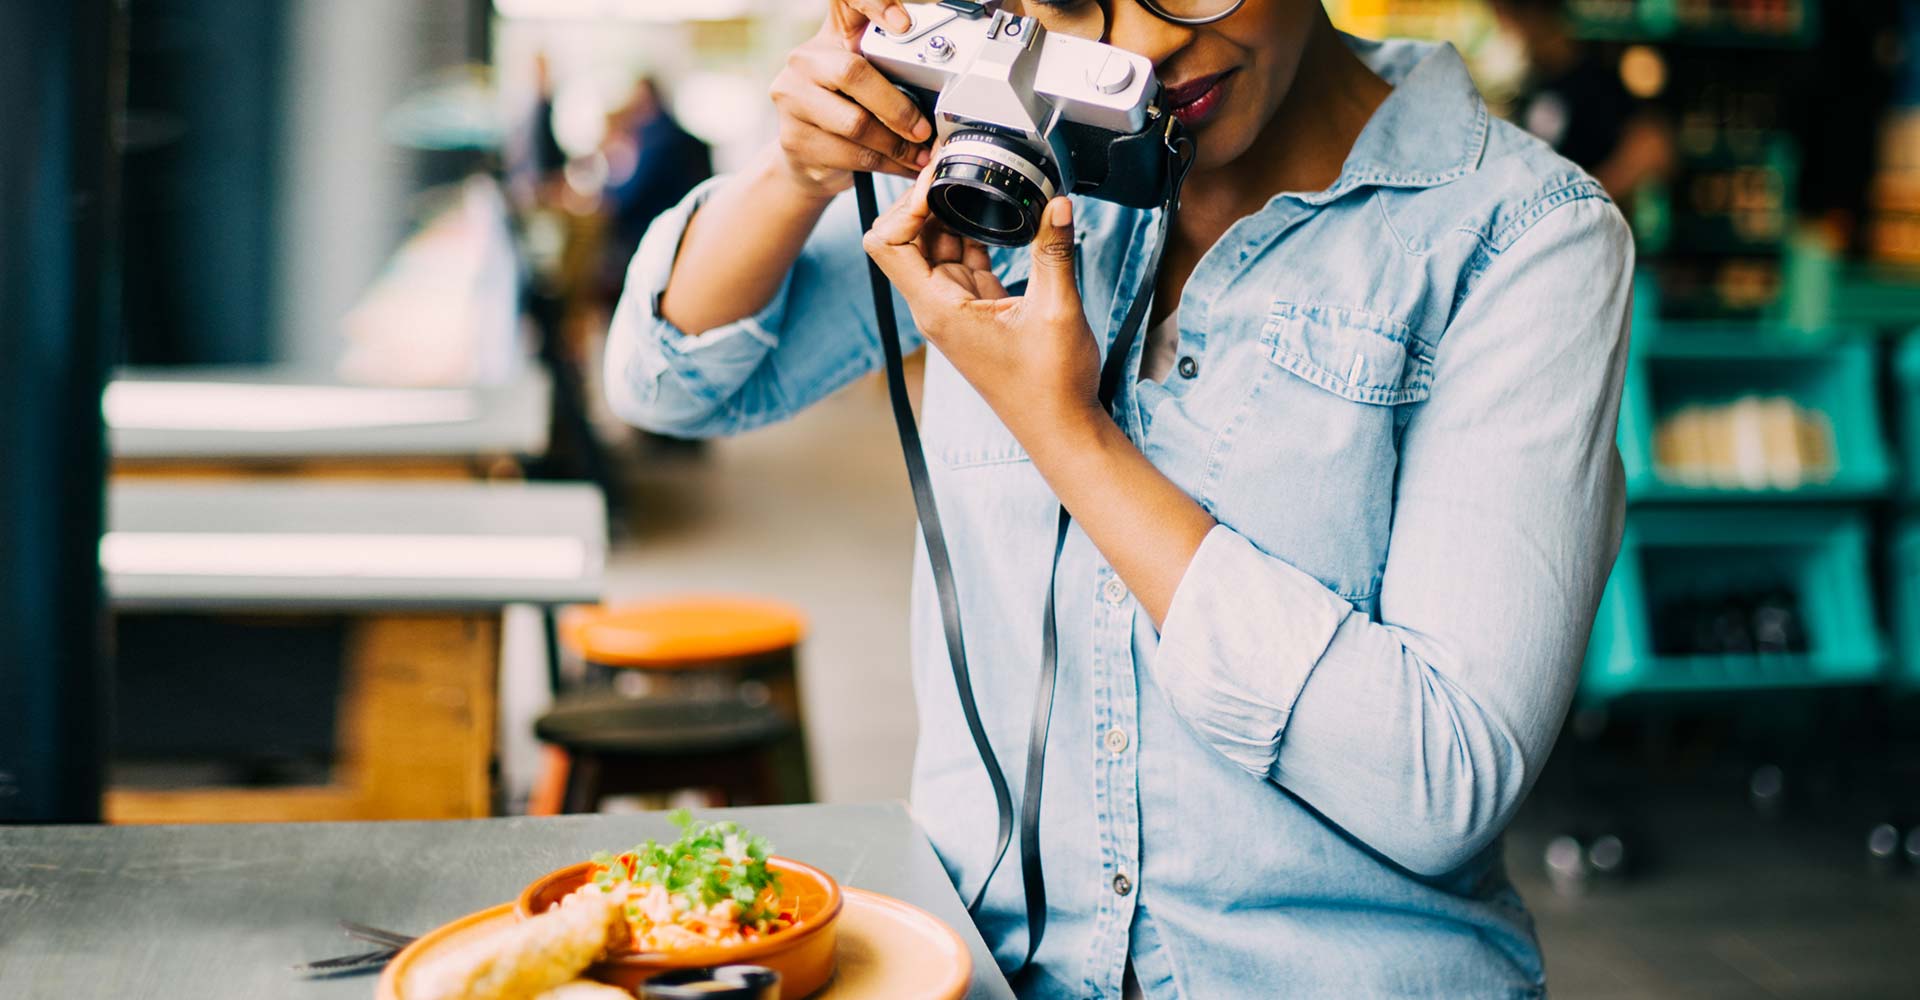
(1430, 130)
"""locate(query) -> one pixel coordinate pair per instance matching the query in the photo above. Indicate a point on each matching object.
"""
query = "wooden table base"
(415, 735)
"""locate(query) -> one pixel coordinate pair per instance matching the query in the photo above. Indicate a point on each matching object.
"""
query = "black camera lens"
(990, 188)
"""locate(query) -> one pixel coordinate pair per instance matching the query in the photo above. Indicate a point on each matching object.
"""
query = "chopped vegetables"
(710, 887)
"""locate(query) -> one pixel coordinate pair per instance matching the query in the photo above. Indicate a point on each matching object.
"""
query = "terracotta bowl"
(802, 954)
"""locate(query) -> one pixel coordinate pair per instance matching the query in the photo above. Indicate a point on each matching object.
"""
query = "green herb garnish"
(710, 862)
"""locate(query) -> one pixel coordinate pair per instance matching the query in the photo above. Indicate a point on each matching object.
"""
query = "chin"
(1222, 140)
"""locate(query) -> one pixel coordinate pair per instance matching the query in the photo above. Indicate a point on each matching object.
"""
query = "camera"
(1025, 115)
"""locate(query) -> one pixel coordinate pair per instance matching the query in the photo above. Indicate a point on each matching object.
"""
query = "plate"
(888, 950)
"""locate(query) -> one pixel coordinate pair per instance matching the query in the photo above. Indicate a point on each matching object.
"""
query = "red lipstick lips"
(1195, 101)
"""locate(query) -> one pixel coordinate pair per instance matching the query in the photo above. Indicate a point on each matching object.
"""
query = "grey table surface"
(277, 508)
(217, 912)
(509, 419)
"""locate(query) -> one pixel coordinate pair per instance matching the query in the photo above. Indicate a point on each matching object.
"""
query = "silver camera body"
(1024, 115)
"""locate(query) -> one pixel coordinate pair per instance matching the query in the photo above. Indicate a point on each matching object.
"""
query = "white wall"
(344, 188)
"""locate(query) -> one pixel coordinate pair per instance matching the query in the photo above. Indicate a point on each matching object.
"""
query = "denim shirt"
(1401, 413)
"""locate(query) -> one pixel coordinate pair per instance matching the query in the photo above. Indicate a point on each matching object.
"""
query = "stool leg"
(786, 767)
(550, 619)
(583, 783)
(780, 671)
(772, 772)
(549, 796)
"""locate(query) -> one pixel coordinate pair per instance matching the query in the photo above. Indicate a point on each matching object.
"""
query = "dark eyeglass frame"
(1153, 7)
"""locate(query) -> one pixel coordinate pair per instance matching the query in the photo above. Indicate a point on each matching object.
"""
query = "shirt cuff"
(703, 370)
(1243, 633)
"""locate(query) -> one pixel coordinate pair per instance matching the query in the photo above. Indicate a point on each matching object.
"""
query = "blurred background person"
(1573, 98)
(652, 163)
(535, 158)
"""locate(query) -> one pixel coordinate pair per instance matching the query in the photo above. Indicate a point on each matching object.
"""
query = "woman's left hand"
(1032, 357)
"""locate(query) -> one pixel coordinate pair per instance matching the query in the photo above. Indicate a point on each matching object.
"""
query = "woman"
(1336, 554)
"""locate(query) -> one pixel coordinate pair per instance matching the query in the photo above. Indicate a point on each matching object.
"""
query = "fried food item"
(534, 957)
(585, 989)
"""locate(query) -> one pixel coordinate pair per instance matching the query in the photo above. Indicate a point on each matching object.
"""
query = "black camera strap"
(941, 564)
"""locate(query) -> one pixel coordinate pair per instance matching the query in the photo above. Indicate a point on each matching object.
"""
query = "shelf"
(1721, 340)
(1817, 556)
(1765, 149)
(1904, 568)
(1631, 33)
(1679, 365)
(1652, 489)
(1906, 381)
(1821, 289)
(1877, 296)
(1659, 21)
(1665, 674)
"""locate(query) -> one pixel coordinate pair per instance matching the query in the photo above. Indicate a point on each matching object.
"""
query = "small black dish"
(722, 982)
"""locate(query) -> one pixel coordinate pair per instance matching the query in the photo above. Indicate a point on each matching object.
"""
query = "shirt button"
(1115, 590)
(1116, 740)
(1189, 367)
(1122, 884)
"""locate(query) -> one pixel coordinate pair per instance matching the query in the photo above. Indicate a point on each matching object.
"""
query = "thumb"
(1052, 277)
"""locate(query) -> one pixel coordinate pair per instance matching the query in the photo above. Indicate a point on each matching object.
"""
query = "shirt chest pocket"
(1360, 356)
(1305, 470)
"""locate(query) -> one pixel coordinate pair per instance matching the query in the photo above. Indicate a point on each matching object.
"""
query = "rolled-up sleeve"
(1420, 733)
(815, 335)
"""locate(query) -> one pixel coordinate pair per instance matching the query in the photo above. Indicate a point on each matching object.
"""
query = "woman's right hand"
(838, 114)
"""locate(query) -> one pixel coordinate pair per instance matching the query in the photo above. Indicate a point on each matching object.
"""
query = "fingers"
(893, 240)
(990, 286)
(886, 13)
(1052, 280)
(837, 113)
(829, 96)
(902, 223)
(849, 74)
(942, 246)
(803, 142)
(974, 256)
(813, 108)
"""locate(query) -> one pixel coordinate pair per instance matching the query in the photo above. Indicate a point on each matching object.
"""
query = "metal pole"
(58, 320)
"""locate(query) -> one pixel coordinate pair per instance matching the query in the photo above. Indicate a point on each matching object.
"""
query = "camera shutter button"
(939, 50)
(1112, 75)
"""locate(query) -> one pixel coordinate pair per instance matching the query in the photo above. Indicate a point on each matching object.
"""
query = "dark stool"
(717, 696)
(636, 746)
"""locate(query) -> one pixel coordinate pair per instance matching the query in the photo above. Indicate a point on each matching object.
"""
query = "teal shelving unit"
(1659, 228)
(1906, 381)
(1822, 290)
(1818, 556)
(1701, 562)
(1664, 21)
(1904, 568)
(1676, 365)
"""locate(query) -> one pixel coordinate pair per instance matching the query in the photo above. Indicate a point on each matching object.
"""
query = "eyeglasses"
(1191, 12)
(1088, 18)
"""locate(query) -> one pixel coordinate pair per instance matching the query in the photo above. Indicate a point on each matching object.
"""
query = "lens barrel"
(990, 188)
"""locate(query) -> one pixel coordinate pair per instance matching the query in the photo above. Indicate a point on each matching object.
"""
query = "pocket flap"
(1360, 356)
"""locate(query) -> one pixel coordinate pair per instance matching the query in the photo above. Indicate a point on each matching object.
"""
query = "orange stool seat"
(681, 632)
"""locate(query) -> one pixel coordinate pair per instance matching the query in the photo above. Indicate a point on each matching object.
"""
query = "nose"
(1135, 28)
